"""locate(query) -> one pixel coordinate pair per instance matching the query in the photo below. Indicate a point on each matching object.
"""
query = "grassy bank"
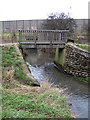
(83, 47)
(85, 80)
(12, 67)
(21, 100)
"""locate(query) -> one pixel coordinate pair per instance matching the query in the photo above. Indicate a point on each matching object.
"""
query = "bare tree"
(59, 21)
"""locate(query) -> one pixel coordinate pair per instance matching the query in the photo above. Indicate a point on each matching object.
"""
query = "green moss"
(60, 56)
(57, 55)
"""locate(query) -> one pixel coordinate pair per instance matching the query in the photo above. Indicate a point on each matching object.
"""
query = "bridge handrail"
(38, 36)
(50, 38)
(43, 30)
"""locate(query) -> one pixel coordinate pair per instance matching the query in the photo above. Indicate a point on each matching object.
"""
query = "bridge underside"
(42, 44)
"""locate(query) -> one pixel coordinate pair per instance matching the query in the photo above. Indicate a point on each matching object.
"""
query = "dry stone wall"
(77, 61)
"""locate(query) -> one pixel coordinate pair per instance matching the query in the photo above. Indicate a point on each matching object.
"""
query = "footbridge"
(43, 38)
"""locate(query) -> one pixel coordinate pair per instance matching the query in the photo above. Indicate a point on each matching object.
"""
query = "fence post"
(35, 38)
(60, 36)
(16, 25)
(50, 41)
(66, 37)
(20, 35)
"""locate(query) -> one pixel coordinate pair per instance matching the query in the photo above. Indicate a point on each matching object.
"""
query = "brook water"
(41, 66)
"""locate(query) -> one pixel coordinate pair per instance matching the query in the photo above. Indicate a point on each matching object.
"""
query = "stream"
(42, 67)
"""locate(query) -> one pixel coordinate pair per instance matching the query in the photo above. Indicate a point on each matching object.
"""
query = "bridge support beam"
(42, 45)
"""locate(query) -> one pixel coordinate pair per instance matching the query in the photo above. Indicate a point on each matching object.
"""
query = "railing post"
(50, 41)
(35, 38)
(66, 37)
(60, 36)
(47, 36)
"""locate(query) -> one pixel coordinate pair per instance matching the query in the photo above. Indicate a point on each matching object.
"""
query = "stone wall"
(76, 60)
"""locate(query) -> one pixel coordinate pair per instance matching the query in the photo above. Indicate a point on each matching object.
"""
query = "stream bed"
(42, 67)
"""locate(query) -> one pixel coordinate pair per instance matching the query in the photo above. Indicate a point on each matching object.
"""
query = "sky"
(40, 9)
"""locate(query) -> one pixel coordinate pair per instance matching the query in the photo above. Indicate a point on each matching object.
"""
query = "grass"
(83, 47)
(21, 100)
(85, 80)
(12, 67)
(46, 105)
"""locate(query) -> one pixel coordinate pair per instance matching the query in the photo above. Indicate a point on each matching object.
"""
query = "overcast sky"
(39, 9)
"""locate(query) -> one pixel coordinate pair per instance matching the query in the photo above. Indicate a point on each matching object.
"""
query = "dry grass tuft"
(9, 75)
(46, 86)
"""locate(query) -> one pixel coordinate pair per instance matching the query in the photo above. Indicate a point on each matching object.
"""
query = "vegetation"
(59, 21)
(30, 105)
(80, 37)
(21, 100)
(12, 67)
(85, 80)
(10, 37)
(83, 47)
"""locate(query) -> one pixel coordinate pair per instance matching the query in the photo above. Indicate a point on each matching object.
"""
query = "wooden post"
(47, 36)
(16, 25)
(23, 24)
(35, 37)
(60, 36)
(20, 35)
(50, 41)
(66, 37)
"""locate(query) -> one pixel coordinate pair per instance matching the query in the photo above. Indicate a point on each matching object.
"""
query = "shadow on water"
(41, 66)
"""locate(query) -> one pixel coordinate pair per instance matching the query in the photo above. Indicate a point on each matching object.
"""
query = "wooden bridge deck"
(43, 38)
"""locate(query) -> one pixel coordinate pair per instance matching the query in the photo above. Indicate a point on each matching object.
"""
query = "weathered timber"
(43, 38)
